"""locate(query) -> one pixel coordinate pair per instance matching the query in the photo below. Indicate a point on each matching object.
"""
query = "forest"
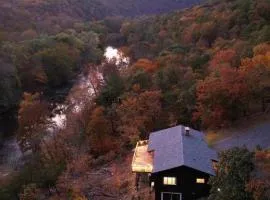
(206, 66)
(26, 23)
(22, 19)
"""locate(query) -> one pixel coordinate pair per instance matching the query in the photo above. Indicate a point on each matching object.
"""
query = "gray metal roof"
(172, 148)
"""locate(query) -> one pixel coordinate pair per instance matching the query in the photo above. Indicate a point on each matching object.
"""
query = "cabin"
(178, 163)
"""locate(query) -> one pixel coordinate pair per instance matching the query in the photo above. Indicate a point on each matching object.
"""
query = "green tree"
(9, 86)
(233, 173)
(91, 52)
(141, 78)
(59, 63)
(111, 91)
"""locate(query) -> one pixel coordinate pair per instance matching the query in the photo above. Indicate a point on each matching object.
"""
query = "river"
(11, 157)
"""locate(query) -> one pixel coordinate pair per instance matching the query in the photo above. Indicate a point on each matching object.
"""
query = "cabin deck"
(142, 159)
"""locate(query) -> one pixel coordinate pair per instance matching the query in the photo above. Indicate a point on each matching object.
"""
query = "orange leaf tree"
(138, 113)
(221, 97)
(33, 120)
(99, 132)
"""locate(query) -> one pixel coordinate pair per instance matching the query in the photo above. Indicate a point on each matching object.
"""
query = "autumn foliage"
(138, 113)
(99, 131)
(33, 119)
(221, 97)
(227, 92)
(224, 58)
(146, 64)
(259, 185)
(203, 67)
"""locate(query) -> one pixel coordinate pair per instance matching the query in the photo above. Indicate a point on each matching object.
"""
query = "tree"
(146, 64)
(83, 179)
(256, 71)
(59, 63)
(233, 173)
(191, 34)
(223, 58)
(29, 34)
(114, 87)
(9, 86)
(198, 63)
(91, 52)
(221, 98)
(2, 37)
(56, 151)
(99, 132)
(33, 120)
(259, 184)
(109, 69)
(141, 78)
(178, 86)
(261, 49)
(95, 79)
(263, 9)
(30, 192)
(208, 32)
(138, 113)
(74, 182)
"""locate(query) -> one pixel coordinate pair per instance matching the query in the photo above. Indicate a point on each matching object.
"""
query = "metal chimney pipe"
(187, 131)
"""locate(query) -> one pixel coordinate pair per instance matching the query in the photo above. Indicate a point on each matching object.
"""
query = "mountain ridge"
(36, 14)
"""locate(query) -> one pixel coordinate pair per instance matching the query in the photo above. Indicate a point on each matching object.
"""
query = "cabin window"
(171, 196)
(169, 180)
(200, 180)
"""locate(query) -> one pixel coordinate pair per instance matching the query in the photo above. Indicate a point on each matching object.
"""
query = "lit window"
(200, 180)
(169, 181)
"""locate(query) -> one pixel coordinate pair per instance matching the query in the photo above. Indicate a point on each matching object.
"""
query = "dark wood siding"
(185, 183)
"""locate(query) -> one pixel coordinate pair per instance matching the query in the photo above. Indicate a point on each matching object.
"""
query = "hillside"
(206, 67)
(25, 20)
(45, 16)
(202, 60)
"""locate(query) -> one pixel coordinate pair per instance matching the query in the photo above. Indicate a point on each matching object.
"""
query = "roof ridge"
(182, 144)
(162, 130)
